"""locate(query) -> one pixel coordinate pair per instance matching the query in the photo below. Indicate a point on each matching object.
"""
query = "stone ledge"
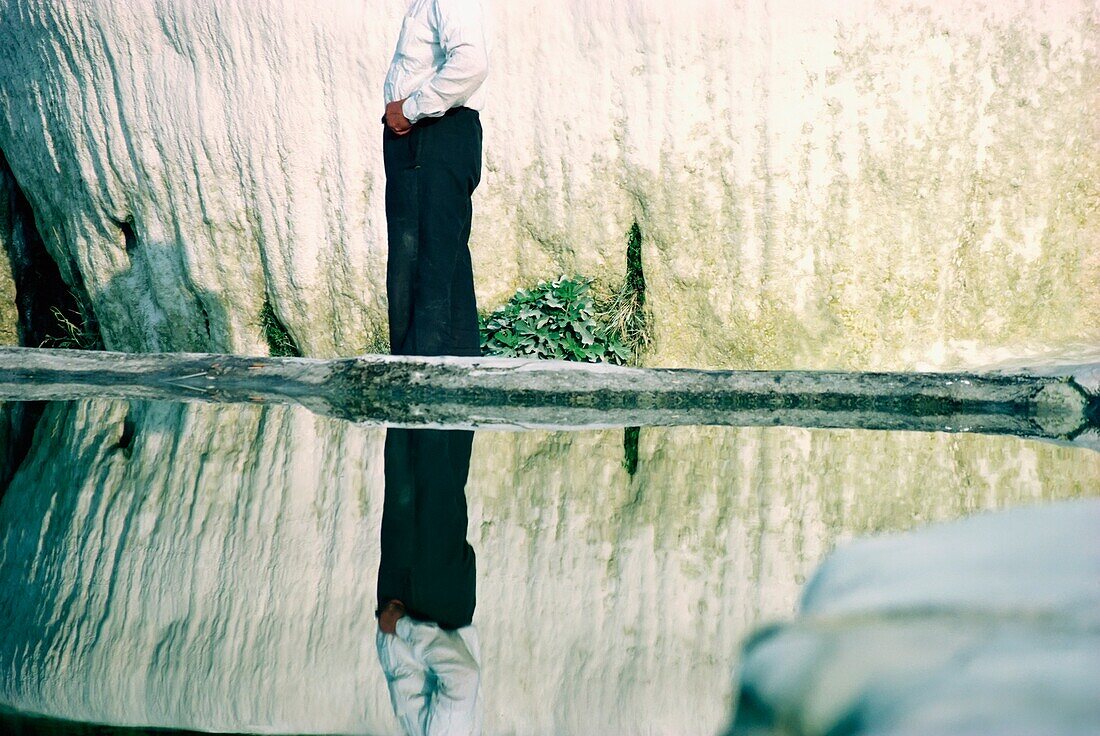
(464, 392)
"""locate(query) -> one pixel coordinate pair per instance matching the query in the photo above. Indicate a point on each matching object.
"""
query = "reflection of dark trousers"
(427, 563)
(430, 174)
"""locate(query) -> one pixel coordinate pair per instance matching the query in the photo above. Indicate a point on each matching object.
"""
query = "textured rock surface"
(9, 314)
(866, 184)
(213, 566)
(988, 625)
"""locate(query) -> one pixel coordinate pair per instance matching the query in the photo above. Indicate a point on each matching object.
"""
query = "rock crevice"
(49, 311)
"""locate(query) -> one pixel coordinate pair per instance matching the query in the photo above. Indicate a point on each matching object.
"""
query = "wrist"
(389, 616)
(410, 109)
(402, 628)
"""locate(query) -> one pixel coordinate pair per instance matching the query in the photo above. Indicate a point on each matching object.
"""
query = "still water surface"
(214, 567)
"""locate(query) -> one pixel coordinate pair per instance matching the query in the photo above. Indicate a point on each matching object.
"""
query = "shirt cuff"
(404, 629)
(410, 109)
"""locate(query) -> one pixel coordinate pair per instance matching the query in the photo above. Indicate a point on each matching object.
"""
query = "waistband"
(425, 122)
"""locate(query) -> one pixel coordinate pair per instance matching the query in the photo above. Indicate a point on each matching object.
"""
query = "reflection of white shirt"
(434, 677)
(441, 59)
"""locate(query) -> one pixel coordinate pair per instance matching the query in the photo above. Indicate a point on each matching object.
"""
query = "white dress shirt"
(441, 60)
(434, 678)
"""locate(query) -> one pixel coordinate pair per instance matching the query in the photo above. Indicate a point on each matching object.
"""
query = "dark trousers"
(430, 174)
(427, 564)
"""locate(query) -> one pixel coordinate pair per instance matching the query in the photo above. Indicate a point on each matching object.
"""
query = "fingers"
(389, 615)
(397, 124)
(394, 118)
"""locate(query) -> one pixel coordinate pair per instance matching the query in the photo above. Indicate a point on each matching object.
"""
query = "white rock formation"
(214, 568)
(873, 183)
(988, 625)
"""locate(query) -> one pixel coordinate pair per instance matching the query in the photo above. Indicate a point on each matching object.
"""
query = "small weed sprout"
(71, 333)
(624, 315)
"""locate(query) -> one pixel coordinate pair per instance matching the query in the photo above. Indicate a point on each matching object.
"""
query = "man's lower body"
(427, 564)
(431, 173)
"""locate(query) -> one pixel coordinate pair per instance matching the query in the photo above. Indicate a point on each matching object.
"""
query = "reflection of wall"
(651, 583)
(221, 568)
(864, 183)
(216, 570)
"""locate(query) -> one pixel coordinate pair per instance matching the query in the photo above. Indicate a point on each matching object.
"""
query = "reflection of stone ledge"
(495, 391)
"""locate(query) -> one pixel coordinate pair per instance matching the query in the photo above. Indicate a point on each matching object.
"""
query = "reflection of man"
(426, 640)
(432, 151)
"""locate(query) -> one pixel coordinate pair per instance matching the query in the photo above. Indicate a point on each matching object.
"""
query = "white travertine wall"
(219, 572)
(873, 184)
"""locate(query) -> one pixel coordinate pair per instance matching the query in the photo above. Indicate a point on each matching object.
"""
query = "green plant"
(279, 341)
(377, 342)
(624, 314)
(76, 333)
(555, 320)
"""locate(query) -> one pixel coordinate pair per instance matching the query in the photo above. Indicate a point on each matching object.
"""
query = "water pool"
(206, 566)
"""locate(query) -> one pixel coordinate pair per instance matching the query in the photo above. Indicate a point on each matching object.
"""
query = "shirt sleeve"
(453, 710)
(460, 27)
(405, 678)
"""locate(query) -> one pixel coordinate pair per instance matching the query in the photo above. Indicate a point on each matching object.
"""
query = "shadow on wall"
(18, 422)
(23, 724)
(172, 327)
(47, 312)
(39, 308)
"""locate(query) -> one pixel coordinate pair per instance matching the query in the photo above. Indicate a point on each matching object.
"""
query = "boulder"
(986, 625)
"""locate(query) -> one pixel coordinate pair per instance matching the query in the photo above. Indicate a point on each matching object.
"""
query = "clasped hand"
(395, 118)
(389, 615)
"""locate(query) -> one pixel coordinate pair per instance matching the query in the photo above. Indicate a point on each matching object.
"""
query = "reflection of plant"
(67, 334)
(553, 320)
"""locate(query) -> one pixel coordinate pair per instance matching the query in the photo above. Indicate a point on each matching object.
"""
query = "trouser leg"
(430, 176)
(426, 561)
(403, 231)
